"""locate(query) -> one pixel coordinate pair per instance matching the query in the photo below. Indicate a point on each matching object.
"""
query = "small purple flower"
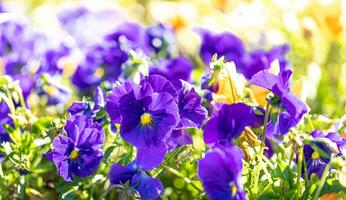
(129, 35)
(228, 122)
(79, 152)
(50, 59)
(192, 113)
(223, 44)
(232, 48)
(144, 186)
(259, 60)
(102, 62)
(292, 108)
(53, 91)
(84, 108)
(318, 152)
(220, 172)
(5, 119)
(161, 39)
(174, 69)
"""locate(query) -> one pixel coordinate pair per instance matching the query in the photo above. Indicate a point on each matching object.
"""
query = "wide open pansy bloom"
(143, 186)
(79, 152)
(291, 107)
(318, 152)
(220, 172)
(147, 113)
(4, 119)
(228, 122)
(147, 121)
(174, 69)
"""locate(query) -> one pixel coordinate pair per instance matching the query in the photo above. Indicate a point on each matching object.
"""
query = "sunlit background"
(314, 29)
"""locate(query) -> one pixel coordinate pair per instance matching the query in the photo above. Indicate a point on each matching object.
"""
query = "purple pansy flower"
(223, 44)
(232, 48)
(5, 119)
(318, 152)
(259, 60)
(85, 108)
(79, 152)
(174, 69)
(144, 186)
(293, 108)
(50, 59)
(192, 113)
(53, 91)
(101, 62)
(129, 35)
(220, 172)
(161, 39)
(228, 122)
(147, 113)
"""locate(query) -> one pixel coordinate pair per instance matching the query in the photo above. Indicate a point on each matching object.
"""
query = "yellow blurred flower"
(230, 85)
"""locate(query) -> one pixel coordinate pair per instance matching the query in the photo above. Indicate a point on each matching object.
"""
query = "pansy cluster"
(119, 110)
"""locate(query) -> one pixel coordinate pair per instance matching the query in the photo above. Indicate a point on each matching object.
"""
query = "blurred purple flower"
(223, 44)
(161, 39)
(5, 119)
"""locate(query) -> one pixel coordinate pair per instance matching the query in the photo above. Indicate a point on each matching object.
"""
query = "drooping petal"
(151, 157)
(119, 174)
(229, 123)
(178, 138)
(147, 187)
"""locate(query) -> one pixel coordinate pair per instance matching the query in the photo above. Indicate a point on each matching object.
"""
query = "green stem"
(259, 158)
(308, 117)
(180, 175)
(306, 178)
(322, 181)
(300, 162)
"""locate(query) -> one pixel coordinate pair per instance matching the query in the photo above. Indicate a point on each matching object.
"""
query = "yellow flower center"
(234, 188)
(315, 155)
(146, 119)
(99, 72)
(51, 90)
(74, 154)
